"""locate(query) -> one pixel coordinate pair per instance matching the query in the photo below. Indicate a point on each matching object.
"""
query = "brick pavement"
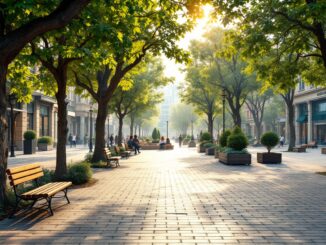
(181, 197)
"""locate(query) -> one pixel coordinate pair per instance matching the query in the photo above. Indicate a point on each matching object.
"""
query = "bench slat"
(47, 190)
(27, 178)
(25, 173)
(14, 170)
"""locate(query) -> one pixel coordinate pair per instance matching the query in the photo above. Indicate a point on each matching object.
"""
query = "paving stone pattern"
(182, 197)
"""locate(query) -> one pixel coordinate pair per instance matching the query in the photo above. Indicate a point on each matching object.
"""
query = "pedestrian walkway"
(182, 197)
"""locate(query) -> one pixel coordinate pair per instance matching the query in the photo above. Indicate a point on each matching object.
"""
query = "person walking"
(74, 139)
(180, 140)
(111, 140)
(136, 145)
(282, 141)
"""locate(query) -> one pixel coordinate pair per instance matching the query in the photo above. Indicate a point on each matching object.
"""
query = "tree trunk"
(3, 134)
(210, 123)
(120, 129)
(61, 160)
(290, 108)
(132, 120)
(258, 130)
(102, 113)
(236, 117)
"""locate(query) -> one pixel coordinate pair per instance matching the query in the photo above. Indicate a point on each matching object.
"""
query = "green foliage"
(206, 136)
(79, 173)
(269, 140)
(209, 145)
(44, 140)
(122, 149)
(47, 177)
(202, 143)
(237, 140)
(99, 164)
(155, 134)
(231, 150)
(29, 135)
(224, 138)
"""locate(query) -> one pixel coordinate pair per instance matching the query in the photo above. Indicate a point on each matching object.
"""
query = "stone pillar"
(309, 121)
(37, 118)
(296, 124)
(82, 129)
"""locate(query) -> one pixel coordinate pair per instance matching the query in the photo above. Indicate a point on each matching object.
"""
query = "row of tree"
(92, 44)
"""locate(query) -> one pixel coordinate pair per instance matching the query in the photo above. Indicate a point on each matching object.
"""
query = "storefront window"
(319, 110)
(30, 116)
(44, 120)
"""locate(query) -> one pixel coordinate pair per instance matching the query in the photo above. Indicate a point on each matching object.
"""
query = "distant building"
(310, 113)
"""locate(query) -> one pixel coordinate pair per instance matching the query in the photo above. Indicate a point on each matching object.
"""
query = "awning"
(302, 119)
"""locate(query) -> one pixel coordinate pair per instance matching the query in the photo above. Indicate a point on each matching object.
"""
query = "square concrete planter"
(29, 146)
(234, 158)
(44, 147)
(323, 150)
(272, 157)
(210, 151)
(201, 149)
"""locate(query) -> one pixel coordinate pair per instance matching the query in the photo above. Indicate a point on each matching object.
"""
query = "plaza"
(183, 197)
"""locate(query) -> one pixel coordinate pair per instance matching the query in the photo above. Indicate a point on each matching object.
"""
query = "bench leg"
(66, 196)
(49, 200)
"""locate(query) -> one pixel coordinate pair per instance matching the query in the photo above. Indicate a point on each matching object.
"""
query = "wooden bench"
(311, 144)
(125, 153)
(299, 149)
(128, 148)
(32, 172)
(110, 159)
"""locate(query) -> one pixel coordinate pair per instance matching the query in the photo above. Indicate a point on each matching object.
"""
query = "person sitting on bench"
(130, 143)
(162, 143)
(136, 144)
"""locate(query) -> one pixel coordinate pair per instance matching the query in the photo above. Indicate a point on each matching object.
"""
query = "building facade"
(310, 114)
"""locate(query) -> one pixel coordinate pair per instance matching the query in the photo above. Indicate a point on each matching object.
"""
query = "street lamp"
(91, 128)
(12, 102)
(192, 129)
(167, 129)
(223, 100)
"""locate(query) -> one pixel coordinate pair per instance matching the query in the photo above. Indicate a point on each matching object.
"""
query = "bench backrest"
(126, 146)
(19, 175)
(107, 153)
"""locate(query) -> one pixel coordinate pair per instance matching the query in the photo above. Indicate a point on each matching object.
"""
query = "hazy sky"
(203, 24)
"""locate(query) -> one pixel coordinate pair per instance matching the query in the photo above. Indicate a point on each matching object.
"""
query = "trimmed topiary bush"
(224, 138)
(44, 140)
(29, 135)
(237, 140)
(206, 136)
(79, 173)
(269, 140)
(208, 145)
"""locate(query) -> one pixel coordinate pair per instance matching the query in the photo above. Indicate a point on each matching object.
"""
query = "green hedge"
(269, 140)
(224, 138)
(206, 136)
(79, 173)
(44, 140)
(29, 135)
(237, 140)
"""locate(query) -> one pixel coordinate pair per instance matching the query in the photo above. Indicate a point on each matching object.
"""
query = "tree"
(256, 104)
(198, 92)
(182, 115)
(296, 26)
(139, 28)
(35, 19)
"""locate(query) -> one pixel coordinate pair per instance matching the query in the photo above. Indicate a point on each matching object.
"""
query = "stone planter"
(272, 157)
(44, 147)
(210, 151)
(192, 144)
(216, 153)
(29, 146)
(323, 150)
(169, 147)
(235, 158)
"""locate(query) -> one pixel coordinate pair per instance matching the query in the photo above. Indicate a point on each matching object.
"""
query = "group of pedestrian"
(133, 143)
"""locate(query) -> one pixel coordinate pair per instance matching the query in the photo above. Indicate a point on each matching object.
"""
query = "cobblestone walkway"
(172, 197)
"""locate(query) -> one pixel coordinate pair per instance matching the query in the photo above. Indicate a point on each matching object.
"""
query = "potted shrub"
(269, 140)
(209, 148)
(204, 138)
(223, 142)
(29, 142)
(235, 153)
(44, 143)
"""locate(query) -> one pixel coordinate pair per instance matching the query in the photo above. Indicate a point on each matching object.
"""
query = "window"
(301, 86)
(44, 120)
(322, 107)
(30, 116)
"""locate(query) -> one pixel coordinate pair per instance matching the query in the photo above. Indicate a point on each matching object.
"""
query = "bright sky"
(171, 68)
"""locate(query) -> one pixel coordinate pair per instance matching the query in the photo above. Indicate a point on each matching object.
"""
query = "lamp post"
(192, 129)
(223, 101)
(167, 129)
(91, 128)
(12, 102)
(108, 130)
